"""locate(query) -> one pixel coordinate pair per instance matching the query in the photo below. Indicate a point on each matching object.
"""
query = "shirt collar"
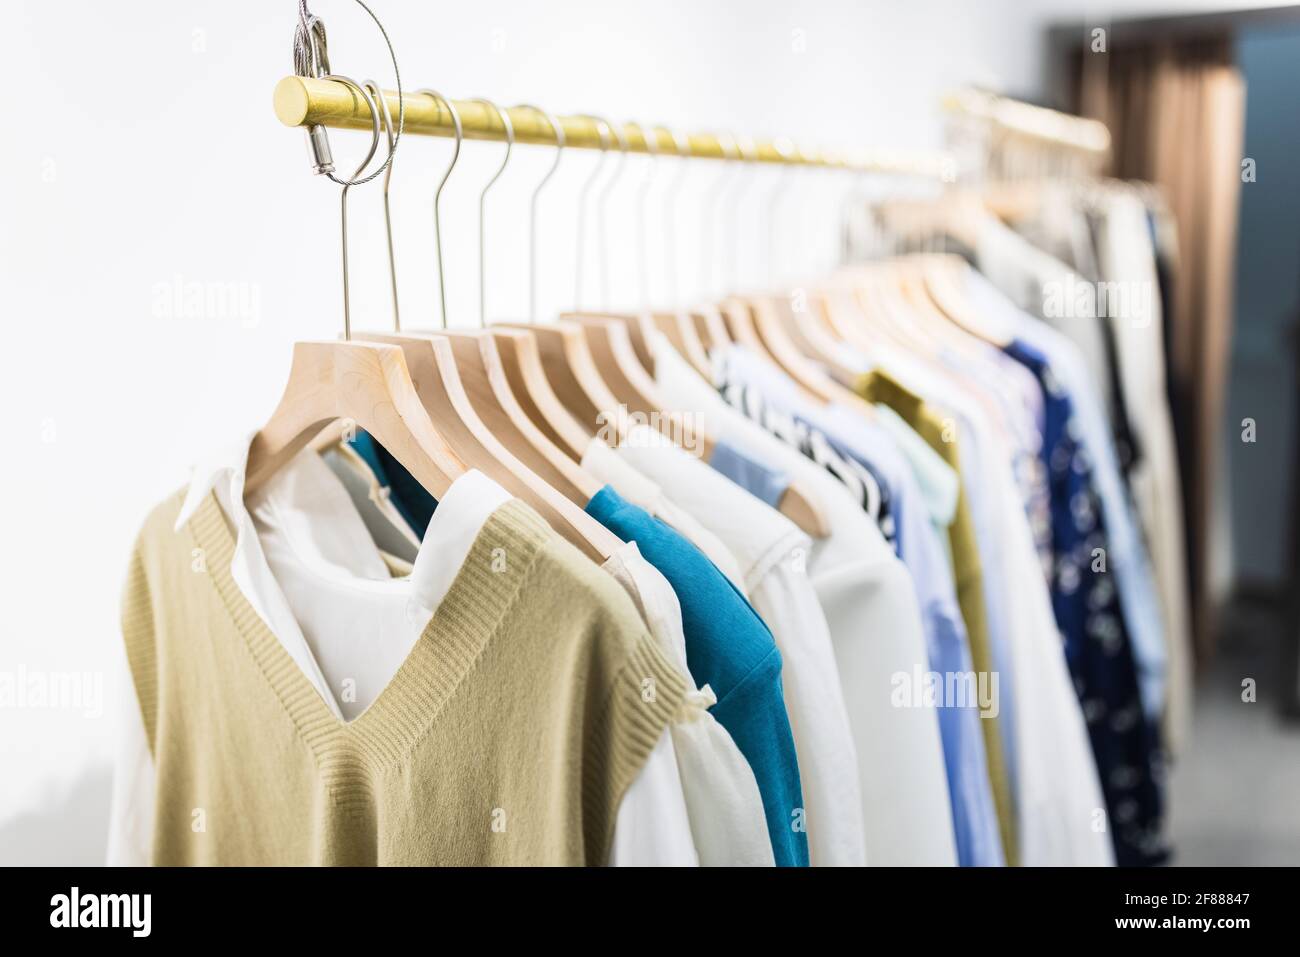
(460, 515)
(224, 470)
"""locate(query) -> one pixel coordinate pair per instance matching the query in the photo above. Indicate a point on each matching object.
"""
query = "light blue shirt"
(975, 823)
(759, 479)
(1139, 597)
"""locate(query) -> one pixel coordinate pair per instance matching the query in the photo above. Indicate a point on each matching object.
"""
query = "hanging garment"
(1177, 110)
(405, 494)
(875, 626)
(1127, 556)
(236, 564)
(1056, 788)
(765, 483)
(604, 464)
(773, 555)
(1015, 262)
(1097, 646)
(723, 802)
(974, 817)
(877, 387)
(730, 649)
(858, 477)
(391, 532)
(1128, 261)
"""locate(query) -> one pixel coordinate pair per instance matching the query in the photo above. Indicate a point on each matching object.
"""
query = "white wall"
(141, 152)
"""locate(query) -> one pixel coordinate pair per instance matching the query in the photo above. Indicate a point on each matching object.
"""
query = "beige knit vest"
(508, 736)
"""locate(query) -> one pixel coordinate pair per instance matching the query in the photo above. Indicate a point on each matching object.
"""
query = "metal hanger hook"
(378, 95)
(343, 196)
(558, 130)
(602, 208)
(682, 143)
(437, 195)
(730, 153)
(605, 136)
(651, 137)
(482, 208)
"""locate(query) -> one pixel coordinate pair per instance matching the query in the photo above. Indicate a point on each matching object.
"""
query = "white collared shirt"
(875, 625)
(723, 801)
(773, 554)
(300, 532)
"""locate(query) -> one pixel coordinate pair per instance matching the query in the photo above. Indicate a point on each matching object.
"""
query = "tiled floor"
(1235, 797)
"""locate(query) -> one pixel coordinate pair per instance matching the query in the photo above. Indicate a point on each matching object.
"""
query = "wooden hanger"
(361, 382)
(740, 327)
(432, 362)
(615, 358)
(943, 277)
(710, 326)
(433, 367)
(640, 327)
(486, 384)
(813, 336)
(483, 372)
(679, 329)
(521, 361)
(573, 374)
(366, 384)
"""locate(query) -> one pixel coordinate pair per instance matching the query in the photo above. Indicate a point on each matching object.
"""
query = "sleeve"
(753, 712)
(879, 640)
(652, 828)
(828, 761)
(722, 796)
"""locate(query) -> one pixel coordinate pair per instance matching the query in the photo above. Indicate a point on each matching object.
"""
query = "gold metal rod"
(305, 101)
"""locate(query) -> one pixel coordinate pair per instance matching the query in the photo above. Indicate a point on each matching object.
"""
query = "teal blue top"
(729, 648)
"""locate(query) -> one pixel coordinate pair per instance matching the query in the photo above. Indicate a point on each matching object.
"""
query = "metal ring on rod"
(311, 58)
(482, 209)
(532, 206)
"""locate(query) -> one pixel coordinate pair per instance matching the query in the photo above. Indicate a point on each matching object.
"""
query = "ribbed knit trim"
(480, 598)
(141, 647)
(647, 692)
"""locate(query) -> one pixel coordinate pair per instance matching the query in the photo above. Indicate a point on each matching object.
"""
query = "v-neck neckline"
(448, 647)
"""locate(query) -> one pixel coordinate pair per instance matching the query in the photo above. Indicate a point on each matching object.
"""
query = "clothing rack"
(309, 101)
(1027, 121)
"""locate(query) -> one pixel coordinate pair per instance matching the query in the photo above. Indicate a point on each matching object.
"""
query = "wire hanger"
(487, 385)
(366, 384)
(677, 325)
(517, 347)
(608, 336)
(432, 361)
(638, 325)
(567, 360)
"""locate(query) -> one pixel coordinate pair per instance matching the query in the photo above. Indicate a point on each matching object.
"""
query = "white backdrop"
(163, 242)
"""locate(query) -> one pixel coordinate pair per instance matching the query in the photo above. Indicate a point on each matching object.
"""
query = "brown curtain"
(1176, 112)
